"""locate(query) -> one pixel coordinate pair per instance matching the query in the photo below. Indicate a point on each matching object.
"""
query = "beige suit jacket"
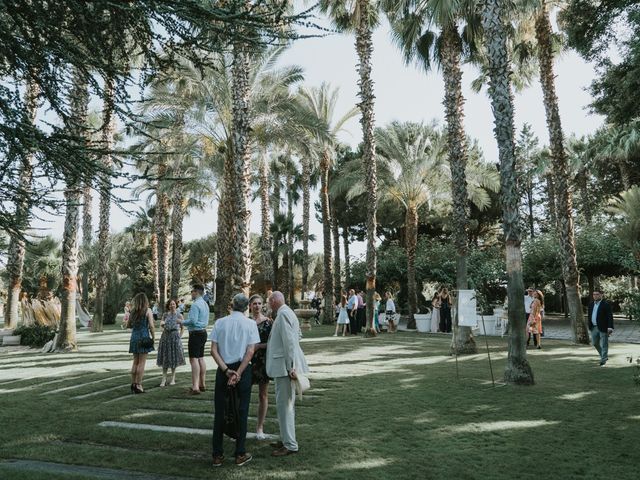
(283, 348)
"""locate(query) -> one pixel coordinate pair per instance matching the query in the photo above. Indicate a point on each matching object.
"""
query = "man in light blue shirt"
(197, 323)
(352, 308)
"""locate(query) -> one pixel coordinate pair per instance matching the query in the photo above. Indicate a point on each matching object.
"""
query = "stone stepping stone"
(169, 429)
(99, 473)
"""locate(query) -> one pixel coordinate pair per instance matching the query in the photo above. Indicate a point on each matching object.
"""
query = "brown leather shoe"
(203, 389)
(277, 444)
(217, 460)
(283, 452)
(242, 459)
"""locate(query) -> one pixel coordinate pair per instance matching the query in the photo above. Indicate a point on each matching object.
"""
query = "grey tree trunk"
(162, 231)
(306, 207)
(561, 173)
(266, 240)
(326, 238)
(16, 251)
(66, 339)
(337, 274)
(347, 261)
(177, 222)
(411, 239)
(364, 48)
(494, 12)
(108, 133)
(87, 237)
(462, 340)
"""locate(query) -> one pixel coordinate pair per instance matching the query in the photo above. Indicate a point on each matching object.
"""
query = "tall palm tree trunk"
(240, 246)
(494, 12)
(87, 237)
(411, 240)
(290, 240)
(66, 339)
(108, 132)
(564, 201)
(226, 231)
(347, 261)
(337, 274)
(154, 260)
(177, 224)
(364, 48)
(266, 240)
(16, 251)
(306, 208)
(551, 200)
(162, 229)
(326, 238)
(462, 340)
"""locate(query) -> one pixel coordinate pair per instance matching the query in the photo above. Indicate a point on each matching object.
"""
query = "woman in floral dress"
(259, 362)
(170, 352)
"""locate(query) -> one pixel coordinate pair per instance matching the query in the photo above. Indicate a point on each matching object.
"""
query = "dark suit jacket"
(604, 316)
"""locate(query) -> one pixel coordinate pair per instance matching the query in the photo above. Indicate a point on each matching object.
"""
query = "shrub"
(35, 335)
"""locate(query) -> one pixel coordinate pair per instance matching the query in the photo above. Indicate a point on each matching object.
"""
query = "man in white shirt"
(233, 341)
(528, 300)
(352, 308)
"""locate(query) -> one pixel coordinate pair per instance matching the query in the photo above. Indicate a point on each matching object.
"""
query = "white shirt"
(594, 313)
(390, 307)
(233, 334)
(528, 300)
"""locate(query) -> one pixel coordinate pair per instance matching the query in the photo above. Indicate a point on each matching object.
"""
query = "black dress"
(445, 315)
(259, 360)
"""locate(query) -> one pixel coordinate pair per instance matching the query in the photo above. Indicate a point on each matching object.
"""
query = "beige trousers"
(285, 405)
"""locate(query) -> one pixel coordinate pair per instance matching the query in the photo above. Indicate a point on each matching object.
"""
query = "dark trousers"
(362, 318)
(353, 322)
(445, 320)
(243, 388)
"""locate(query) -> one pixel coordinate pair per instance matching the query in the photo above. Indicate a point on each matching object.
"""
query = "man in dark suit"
(600, 321)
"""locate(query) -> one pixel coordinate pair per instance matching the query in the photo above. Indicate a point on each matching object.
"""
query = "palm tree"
(107, 146)
(410, 23)
(494, 14)
(16, 250)
(79, 101)
(361, 16)
(626, 207)
(319, 103)
(564, 207)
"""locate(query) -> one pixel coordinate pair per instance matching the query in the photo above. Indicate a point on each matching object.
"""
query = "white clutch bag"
(301, 384)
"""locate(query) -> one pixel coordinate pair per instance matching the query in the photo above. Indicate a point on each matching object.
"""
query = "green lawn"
(385, 408)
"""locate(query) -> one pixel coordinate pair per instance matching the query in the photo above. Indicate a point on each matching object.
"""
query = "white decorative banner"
(467, 308)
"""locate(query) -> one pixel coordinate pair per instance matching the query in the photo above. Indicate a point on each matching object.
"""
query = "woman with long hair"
(170, 352)
(390, 312)
(142, 338)
(534, 325)
(377, 299)
(445, 310)
(259, 362)
(435, 313)
(343, 317)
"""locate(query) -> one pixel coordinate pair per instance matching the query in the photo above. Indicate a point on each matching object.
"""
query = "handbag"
(301, 384)
(146, 342)
(231, 413)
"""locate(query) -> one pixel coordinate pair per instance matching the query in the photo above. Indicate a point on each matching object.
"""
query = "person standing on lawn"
(233, 343)
(197, 322)
(259, 361)
(284, 361)
(600, 321)
(352, 309)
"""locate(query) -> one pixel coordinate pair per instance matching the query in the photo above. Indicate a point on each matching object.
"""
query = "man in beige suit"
(284, 360)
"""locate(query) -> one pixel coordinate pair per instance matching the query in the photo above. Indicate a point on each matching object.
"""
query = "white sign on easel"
(467, 308)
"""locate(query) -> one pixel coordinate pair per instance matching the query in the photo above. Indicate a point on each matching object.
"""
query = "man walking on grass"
(600, 321)
(233, 342)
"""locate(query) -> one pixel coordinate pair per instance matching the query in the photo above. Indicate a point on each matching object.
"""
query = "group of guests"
(441, 303)
(247, 351)
(351, 314)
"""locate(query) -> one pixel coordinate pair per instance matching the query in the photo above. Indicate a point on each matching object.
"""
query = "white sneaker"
(260, 436)
(335, 334)
(163, 383)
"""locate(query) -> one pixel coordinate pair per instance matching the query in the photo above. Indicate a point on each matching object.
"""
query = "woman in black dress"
(259, 362)
(445, 310)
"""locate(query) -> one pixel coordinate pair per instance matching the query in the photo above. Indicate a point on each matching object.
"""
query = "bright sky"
(404, 93)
